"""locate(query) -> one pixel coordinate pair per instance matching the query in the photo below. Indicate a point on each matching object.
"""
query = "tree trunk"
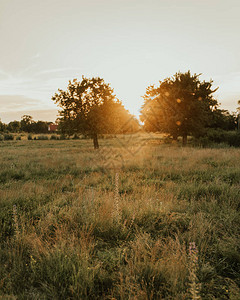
(95, 141)
(184, 139)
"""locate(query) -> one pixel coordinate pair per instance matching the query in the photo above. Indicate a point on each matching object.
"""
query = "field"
(136, 219)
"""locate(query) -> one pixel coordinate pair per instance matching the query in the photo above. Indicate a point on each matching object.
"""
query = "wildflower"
(194, 286)
(15, 221)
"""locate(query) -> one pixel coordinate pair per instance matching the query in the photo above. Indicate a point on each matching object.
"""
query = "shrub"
(18, 138)
(233, 138)
(1, 137)
(75, 137)
(8, 137)
(30, 137)
(219, 136)
(62, 137)
(42, 137)
(54, 137)
(216, 135)
(167, 140)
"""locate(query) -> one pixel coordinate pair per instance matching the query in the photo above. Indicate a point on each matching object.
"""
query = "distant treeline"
(222, 119)
(181, 106)
(27, 124)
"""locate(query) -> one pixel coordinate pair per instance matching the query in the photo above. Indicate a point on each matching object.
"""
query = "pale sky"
(129, 43)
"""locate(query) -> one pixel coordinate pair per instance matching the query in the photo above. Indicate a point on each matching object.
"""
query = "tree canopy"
(181, 106)
(26, 123)
(91, 108)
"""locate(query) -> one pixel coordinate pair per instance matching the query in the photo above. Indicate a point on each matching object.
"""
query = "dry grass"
(116, 224)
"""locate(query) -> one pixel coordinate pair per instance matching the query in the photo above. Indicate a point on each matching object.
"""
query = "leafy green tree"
(181, 106)
(3, 126)
(39, 127)
(26, 123)
(14, 126)
(90, 107)
(238, 108)
(222, 119)
(238, 116)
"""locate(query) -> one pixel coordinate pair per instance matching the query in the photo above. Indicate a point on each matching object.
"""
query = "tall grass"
(74, 226)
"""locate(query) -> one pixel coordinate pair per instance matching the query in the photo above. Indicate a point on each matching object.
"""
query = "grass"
(118, 223)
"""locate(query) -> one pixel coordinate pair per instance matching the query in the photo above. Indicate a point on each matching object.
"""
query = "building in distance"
(53, 127)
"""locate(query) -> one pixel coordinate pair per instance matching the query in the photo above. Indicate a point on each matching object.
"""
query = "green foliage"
(30, 137)
(222, 119)
(180, 106)
(75, 137)
(42, 137)
(218, 136)
(3, 127)
(14, 126)
(54, 137)
(63, 137)
(26, 123)
(89, 107)
(8, 137)
(39, 127)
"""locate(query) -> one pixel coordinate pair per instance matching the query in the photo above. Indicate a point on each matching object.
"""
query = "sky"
(130, 43)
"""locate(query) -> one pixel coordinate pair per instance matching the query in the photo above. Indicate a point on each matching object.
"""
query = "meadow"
(136, 219)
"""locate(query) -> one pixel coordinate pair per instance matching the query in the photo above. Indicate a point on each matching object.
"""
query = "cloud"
(64, 71)
(43, 115)
(41, 85)
(36, 56)
(12, 85)
(3, 75)
(18, 102)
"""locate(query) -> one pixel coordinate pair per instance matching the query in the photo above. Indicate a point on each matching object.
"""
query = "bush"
(233, 138)
(219, 136)
(62, 137)
(167, 139)
(75, 137)
(30, 137)
(8, 137)
(54, 137)
(18, 138)
(42, 137)
(1, 137)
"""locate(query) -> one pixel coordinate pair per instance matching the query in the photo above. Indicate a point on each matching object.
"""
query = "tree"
(181, 106)
(238, 108)
(3, 126)
(90, 107)
(238, 116)
(222, 119)
(14, 126)
(26, 123)
(39, 127)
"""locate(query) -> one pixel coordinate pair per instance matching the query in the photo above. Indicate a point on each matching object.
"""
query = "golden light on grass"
(66, 222)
